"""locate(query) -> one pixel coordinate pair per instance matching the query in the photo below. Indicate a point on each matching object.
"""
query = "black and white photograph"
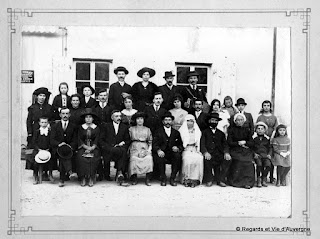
(155, 120)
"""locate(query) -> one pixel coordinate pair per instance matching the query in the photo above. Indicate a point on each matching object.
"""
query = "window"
(95, 72)
(184, 68)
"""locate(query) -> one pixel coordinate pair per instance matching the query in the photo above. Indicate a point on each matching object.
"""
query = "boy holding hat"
(241, 105)
(62, 133)
(214, 147)
(262, 153)
(117, 89)
(168, 90)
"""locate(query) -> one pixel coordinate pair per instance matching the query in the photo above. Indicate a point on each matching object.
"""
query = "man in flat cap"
(192, 92)
(115, 100)
(168, 90)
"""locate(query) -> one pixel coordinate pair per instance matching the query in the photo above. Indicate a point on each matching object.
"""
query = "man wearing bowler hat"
(241, 105)
(168, 90)
(192, 92)
(115, 100)
(214, 147)
(64, 133)
(167, 147)
(114, 142)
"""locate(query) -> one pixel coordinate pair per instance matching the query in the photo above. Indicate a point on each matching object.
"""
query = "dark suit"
(247, 124)
(167, 95)
(154, 119)
(109, 139)
(115, 99)
(216, 145)
(69, 136)
(57, 103)
(162, 142)
(188, 93)
(90, 104)
(201, 120)
(104, 114)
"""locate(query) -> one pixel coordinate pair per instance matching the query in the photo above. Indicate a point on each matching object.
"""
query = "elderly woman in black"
(240, 142)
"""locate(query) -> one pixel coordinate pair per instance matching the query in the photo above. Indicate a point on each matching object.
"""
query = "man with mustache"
(114, 142)
(168, 90)
(117, 89)
(167, 148)
(192, 92)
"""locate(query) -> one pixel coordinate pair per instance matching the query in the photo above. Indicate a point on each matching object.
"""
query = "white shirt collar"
(85, 126)
(87, 98)
(170, 87)
(121, 83)
(102, 104)
(44, 131)
(145, 83)
(167, 130)
(192, 86)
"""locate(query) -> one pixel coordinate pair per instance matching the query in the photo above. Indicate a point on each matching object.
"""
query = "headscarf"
(239, 114)
(184, 132)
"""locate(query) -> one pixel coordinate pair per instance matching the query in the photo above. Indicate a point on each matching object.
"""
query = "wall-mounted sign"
(27, 76)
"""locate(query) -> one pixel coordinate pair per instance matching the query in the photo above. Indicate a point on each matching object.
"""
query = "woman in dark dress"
(88, 156)
(144, 90)
(240, 141)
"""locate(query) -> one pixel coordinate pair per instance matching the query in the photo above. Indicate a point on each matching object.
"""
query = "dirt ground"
(106, 198)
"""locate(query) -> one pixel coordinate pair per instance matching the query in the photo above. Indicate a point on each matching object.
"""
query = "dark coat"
(75, 116)
(154, 119)
(70, 136)
(215, 144)
(57, 103)
(35, 112)
(104, 115)
(91, 103)
(115, 100)
(237, 152)
(143, 96)
(262, 146)
(108, 137)
(168, 95)
(41, 141)
(201, 120)
(188, 93)
(247, 124)
(163, 142)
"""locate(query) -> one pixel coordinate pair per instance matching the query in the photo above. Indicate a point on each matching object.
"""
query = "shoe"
(124, 184)
(90, 182)
(163, 182)
(134, 179)
(51, 179)
(272, 180)
(173, 182)
(209, 184)
(247, 187)
(264, 182)
(36, 180)
(148, 182)
(61, 184)
(222, 184)
(120, 178)
(100, 178)
(192, 185)
(284, 183)
(259, 185)
(278, 184)
(45, 177)
(83, 182)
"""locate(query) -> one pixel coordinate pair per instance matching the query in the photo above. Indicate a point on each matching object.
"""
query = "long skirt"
(242, 173)
(139, 164)
(192, 165)
(87, 166)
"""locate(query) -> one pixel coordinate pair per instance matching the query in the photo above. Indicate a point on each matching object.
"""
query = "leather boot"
(264, 182)
(148, 179)
(259, 185)
(90, 182)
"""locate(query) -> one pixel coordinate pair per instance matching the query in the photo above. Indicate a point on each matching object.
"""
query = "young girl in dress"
(228, 105)
(61, 100)
(281, 149)
(41, 142)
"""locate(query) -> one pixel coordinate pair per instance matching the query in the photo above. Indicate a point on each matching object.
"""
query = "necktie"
(157, 108)
(64, 126)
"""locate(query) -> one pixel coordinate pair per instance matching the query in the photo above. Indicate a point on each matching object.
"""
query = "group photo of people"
(144, 127)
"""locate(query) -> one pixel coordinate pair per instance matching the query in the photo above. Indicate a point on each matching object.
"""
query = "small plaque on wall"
(27, 76)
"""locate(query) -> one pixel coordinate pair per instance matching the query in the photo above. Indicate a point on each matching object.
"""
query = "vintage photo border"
(15, 15)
